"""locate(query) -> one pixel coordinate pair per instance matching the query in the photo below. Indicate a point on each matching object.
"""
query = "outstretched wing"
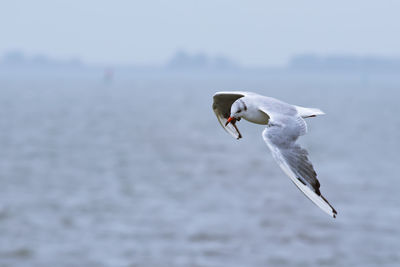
(281, 139)
(222, 109)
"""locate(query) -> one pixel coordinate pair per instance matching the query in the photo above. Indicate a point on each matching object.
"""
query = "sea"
(136, 171)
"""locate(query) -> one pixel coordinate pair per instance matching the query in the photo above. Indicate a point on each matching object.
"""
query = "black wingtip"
(334, 212)
(333, 209)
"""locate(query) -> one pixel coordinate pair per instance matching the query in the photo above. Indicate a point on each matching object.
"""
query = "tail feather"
(308, 112)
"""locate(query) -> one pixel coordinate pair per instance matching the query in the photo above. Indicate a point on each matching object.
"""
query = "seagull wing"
(281, 136)
(222, 109)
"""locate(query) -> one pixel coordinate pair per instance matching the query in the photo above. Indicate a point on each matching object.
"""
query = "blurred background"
(110, 153)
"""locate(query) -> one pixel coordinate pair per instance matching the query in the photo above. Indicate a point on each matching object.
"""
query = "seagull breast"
(253, 113)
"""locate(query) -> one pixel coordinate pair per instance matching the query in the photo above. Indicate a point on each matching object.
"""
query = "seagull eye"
(239, 111)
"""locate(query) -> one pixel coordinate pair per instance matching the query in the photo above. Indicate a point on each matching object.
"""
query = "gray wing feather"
(222, 108)
(297, 159)
(281, 139)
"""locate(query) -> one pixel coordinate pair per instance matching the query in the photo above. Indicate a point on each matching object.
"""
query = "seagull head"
(238, 109)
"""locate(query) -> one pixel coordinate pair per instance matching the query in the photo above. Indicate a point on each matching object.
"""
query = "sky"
(252, 33)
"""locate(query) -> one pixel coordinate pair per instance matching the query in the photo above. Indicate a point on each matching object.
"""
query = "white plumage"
(285, 124)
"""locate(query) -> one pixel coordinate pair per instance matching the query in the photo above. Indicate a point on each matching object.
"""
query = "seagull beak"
(230, 120)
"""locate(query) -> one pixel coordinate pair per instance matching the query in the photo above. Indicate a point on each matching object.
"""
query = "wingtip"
(334, 213)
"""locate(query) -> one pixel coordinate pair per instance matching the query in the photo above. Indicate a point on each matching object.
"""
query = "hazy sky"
(149, 32)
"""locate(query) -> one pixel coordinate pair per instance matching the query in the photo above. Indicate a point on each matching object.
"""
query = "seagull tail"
(308, 112)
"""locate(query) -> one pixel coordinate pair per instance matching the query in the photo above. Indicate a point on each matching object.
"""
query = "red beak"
(230, 119)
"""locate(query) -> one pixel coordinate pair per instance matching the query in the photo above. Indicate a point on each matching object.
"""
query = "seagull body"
(285, 123)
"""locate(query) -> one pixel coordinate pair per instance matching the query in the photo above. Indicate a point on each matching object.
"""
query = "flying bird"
(284, 124)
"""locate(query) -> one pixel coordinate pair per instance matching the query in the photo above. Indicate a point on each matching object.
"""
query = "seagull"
(284, 124)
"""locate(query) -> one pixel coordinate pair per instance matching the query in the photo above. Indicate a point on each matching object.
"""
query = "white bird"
(285, 123)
